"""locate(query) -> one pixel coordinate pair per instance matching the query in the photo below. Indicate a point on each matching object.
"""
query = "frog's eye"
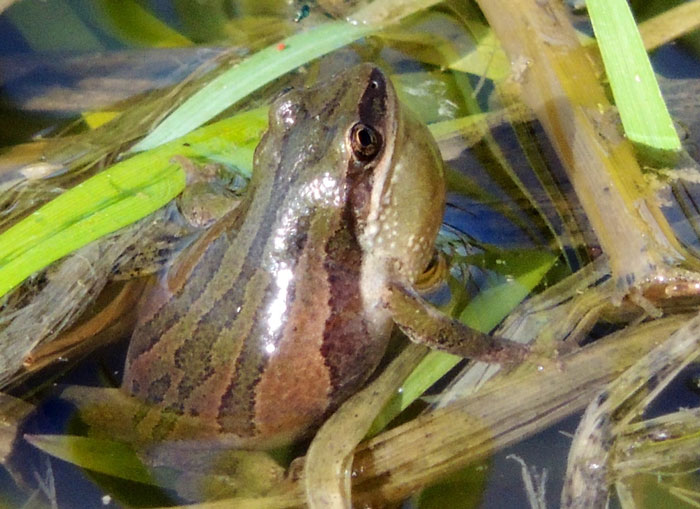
(365, 141)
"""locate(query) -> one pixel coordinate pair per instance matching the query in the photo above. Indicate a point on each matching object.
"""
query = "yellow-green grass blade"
(131, 22)
(120, 195)
(644, 115)
(251, 74)
(104, 456)
(86, 212)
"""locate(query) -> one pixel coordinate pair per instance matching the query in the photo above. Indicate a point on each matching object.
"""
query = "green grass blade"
(90, 210)
(251, 74)
(637, 96)
(120, 195)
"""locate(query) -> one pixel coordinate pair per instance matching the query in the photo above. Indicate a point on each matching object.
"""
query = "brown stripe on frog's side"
(199, 262)
(238, 401)
(228, 313)
(201, 312)
(297, 374)
(155, 318)
(348, 349)
(204, 398)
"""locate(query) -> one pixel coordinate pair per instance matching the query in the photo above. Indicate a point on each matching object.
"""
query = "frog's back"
(260, 326)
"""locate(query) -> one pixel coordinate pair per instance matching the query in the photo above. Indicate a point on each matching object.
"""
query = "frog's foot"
(212, 470)
(668, 288)
(425, 324)
(195, 172)
(560, 318)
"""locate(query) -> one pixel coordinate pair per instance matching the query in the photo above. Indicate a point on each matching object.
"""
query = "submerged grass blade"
(328, 465)
(119, 196)
(637, 96)
(104, 456)
(38, 26)
(251, 74)
(670, 25)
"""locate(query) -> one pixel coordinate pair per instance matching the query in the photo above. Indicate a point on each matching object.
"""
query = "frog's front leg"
(425, 324)
(206, 198)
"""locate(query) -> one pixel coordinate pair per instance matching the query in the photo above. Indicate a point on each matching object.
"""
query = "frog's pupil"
(365, 137)
(365, 141)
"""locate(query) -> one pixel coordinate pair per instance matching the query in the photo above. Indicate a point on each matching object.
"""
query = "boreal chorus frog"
(284, 307)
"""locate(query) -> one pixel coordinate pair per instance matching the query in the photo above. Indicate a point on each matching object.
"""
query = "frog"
(284, 307)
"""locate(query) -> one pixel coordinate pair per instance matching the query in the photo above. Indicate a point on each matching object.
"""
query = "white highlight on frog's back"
(282, 276)
(287, 113)
(320, 191)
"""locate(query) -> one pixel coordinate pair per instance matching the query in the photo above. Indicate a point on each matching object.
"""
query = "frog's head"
(347, 143)
(399, 191)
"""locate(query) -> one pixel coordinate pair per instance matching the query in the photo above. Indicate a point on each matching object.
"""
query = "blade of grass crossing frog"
(251, 74)
(525, 269)
(120, 195)
(631, 76)
(327, 478)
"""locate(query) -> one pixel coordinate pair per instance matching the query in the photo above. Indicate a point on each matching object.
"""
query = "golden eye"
(365, 141)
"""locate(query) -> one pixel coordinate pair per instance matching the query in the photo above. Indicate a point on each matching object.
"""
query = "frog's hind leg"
(425, 324)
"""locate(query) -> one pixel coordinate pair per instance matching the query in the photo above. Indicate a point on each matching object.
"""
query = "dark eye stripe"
(372, 105)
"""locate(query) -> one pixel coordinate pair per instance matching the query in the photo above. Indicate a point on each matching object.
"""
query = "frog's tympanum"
(284, 307)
